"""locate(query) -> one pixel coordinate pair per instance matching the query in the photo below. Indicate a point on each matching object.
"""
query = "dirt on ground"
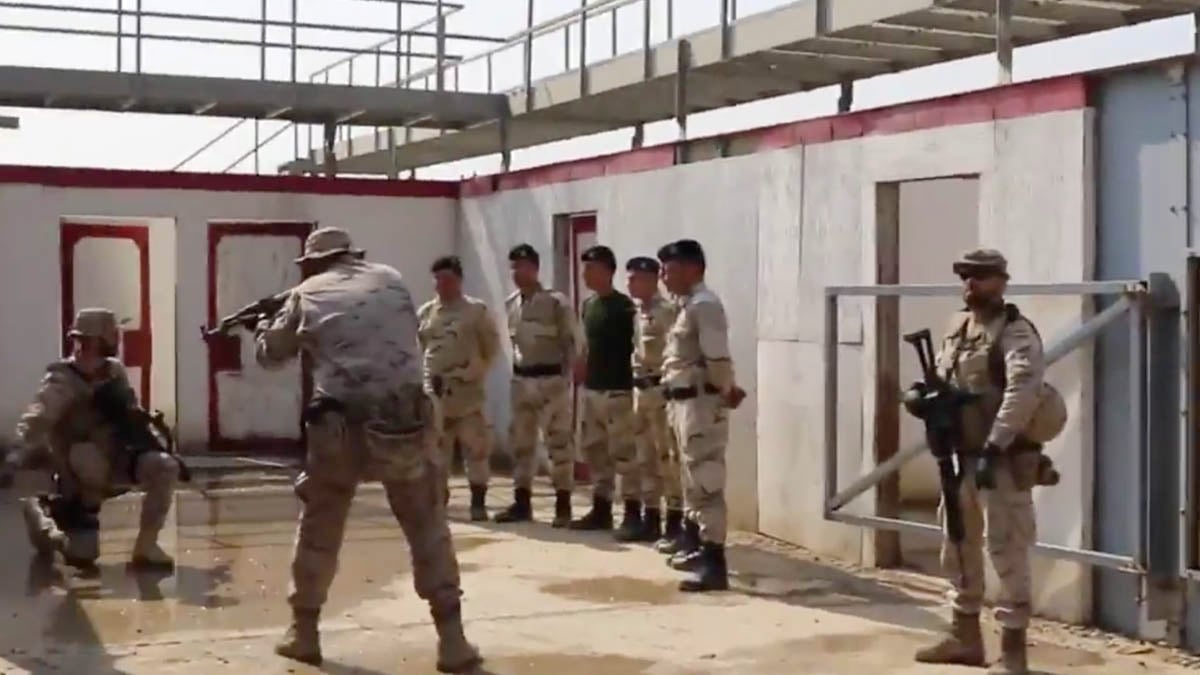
(538, 601)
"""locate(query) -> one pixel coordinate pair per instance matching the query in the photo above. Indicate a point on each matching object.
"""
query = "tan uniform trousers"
(342, 455)
(473, 433)
(609, 445)
(701, 428)
(1004, 519)
(542, 403)
(658, 455)
(94, 474)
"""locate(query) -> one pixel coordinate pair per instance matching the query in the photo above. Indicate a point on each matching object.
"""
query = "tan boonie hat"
(96, 322)
(328, 241)
(981, 260)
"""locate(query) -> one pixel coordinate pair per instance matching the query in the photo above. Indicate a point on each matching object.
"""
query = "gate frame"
(1133, 295)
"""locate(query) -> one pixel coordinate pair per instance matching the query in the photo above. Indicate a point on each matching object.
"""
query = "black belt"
(685, 393)
(537, 371)
(647, 381)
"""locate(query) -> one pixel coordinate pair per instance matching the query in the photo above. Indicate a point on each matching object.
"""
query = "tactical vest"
(1050, 416)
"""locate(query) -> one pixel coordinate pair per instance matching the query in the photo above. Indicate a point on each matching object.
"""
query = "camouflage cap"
(328, 241)
(96, 322)
(981, 260)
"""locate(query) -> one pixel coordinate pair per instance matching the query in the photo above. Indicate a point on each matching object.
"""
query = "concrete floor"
(538, 601)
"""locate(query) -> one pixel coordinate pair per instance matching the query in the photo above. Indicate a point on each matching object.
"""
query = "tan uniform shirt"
(62, 413)
(697, 349)
(964, 360)
(460, 342)
(542, 328)
(358, 322)
(654, 318)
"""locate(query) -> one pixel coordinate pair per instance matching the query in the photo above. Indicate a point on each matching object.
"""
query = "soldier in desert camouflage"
(461, 343)
(64, 426)
(369, 420)
(545, 340)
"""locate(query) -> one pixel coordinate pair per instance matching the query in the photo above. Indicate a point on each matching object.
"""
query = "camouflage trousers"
(1002, 518)
(473, 433)
(608, 443)
(94, 474)
(658, 455)
(542, 403)
(340, 456)
(701, 428)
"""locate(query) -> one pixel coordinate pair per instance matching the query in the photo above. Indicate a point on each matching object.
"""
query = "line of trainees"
(397, 387)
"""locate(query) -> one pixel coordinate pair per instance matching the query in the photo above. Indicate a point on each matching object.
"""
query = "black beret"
(600, 254)
(684, 250)
(523, 252)
(642, 264)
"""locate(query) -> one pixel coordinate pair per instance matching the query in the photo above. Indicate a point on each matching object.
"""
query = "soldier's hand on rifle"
(914, 399)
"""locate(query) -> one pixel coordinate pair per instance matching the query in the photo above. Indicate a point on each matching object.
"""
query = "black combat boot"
(521, 509)
(689, 543)
(651, 526)
(562, 509)
(631, 524)
(479, 503)
(599, 518)
(672, 533)
(712, 574)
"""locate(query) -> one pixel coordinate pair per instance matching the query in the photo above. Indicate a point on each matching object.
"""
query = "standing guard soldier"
(461, 342)
(607, 374)
(995, 353)
(541, 325)
(699, 386)
(658, 453)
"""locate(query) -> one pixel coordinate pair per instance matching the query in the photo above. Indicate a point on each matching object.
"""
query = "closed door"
(252, 410)
(108, 265)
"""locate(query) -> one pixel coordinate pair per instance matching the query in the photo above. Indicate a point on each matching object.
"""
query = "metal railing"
(479, 72)
(1131, 296)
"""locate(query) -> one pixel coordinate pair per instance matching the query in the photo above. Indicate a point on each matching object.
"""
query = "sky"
(135, 141)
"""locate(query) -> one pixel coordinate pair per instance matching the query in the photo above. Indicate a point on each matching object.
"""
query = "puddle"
(616, 590)
(470, 542)
(230, 576)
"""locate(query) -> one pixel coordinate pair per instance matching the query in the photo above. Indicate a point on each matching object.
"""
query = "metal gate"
(1131, 298)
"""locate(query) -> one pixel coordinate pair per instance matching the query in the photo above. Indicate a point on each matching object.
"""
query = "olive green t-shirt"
(608, 326)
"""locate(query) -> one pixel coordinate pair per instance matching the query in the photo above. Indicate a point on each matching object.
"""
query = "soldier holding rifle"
(984, 403)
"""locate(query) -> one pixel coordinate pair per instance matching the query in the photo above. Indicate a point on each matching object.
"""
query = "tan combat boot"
(302, 642)
(148, 554)
(1013, 659)
(454, 653)
(963, 646)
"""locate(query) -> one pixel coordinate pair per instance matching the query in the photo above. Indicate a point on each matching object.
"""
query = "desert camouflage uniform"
(997, 418)
(545, 340)
(369, 421)
(697, 358)
(461, 342)
(657, 451)
(63, 421)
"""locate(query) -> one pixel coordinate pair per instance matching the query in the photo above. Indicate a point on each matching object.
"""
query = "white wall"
(404, 232)
(779, 227)
(636, 214)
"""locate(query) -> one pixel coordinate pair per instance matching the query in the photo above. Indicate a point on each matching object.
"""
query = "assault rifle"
(134, 428)
(249, 316)
(939, 404)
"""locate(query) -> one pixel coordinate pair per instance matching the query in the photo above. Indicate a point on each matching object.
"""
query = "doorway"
(574, 234)
(922, 226)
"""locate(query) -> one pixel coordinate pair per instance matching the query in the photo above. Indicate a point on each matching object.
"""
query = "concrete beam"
(254, 99)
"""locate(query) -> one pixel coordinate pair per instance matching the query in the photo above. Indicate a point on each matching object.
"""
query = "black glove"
(914, 400)
(985, 470)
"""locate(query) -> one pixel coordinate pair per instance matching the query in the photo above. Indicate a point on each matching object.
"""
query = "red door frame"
(225, 351)
(578, 224)
(136, 345)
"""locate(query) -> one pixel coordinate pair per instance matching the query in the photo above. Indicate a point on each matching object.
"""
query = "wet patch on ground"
(616, 590)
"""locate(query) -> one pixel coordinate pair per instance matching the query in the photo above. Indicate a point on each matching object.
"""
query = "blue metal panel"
(1141, 178)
